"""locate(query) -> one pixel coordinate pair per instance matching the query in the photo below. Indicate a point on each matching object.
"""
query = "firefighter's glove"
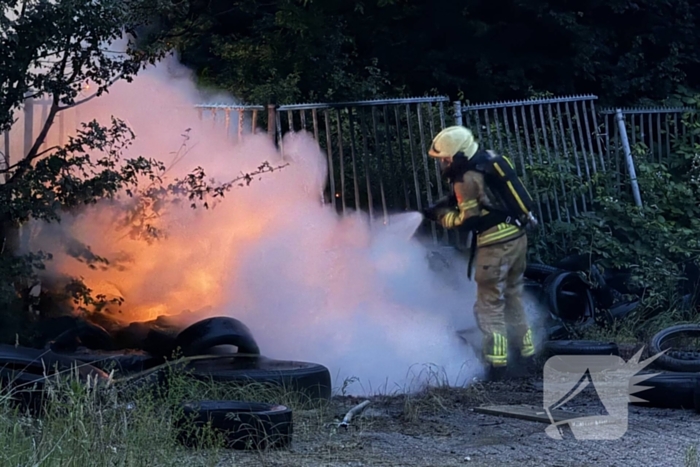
(436, 212)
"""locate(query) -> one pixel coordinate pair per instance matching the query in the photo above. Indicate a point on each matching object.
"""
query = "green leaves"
(654, 242)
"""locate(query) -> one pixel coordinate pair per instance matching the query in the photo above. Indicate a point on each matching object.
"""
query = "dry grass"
(131, 422)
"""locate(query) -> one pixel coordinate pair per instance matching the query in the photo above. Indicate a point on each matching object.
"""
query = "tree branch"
(32, 154)
(88, 99)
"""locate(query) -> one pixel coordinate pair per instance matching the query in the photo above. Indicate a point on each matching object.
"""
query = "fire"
(311, 285)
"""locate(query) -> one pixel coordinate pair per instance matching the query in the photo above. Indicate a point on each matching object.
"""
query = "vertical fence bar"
(572, 140)
(380, 164)
(549, 158)
(390, 153)
(659, 141)
(650, 144)
(597, 136)
(526, 137)
(558, 160)
(538, 150)
(290, 121)
(240, 125)
(278, 120)
(509, 136)
(314, 118)
(438, 174)
(399, 136)
(254, 121)
(342, 161)
(351, 123)
(628, 157)
(302, 118)
(607, 138)
(227, 122)
(668, 136)
(478, 127)
(497, 124)
(584, 150)
(424, 152)
(314, 122)
(361, 116)
(414, 165)
(329, 155)
(488, 127)
(457, 106)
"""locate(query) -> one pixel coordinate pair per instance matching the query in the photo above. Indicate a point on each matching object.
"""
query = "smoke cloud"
(311, 285)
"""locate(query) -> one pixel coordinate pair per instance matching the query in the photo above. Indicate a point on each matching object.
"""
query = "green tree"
(291, 50)
(50, 49)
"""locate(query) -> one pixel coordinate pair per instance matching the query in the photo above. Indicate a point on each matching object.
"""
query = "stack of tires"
(220, 349)
(670, 377)
(578, 295)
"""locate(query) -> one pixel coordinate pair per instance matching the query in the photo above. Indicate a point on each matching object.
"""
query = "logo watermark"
(614, 380)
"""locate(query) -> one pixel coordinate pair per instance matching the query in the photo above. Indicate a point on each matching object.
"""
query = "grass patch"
(124, 423)
(635, 329)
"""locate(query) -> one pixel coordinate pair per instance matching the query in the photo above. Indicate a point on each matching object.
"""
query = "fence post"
(628, 156)
(28, 125)
(271, 122)
(458, 112)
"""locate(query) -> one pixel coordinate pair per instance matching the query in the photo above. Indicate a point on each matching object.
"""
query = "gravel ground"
(440, 428)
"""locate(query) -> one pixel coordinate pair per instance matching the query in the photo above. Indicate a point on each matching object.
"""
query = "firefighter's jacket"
(473, 202)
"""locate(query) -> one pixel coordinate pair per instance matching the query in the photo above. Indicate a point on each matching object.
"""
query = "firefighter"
(499, 242)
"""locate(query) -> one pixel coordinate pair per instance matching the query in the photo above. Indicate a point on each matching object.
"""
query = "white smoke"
(311, 285)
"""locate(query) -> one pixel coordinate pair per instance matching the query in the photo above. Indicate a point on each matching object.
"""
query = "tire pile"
(140, 351)
(578, 295)
(676, 370)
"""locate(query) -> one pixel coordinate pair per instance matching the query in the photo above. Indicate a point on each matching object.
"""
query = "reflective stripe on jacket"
(472, 202)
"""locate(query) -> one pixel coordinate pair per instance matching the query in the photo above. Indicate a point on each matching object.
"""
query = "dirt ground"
(440, 428)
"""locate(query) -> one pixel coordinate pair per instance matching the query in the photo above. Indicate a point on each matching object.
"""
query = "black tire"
(85, 334)
(212, 332)
(696, 396)
(245, 425)
(540, 272)
(569, 297)
(311, 379)
(580, 347)
(25, 370)
(669, 391)
(675, 361)
(123, 361)
(144, 336)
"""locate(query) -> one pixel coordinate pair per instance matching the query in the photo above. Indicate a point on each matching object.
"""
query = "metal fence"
(544, 137)
(241, 118)
(376, 151)
(652, 133)
(563, 147)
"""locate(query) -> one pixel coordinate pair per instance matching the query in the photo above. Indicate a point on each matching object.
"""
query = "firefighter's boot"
(528, 348)
(496, 350)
